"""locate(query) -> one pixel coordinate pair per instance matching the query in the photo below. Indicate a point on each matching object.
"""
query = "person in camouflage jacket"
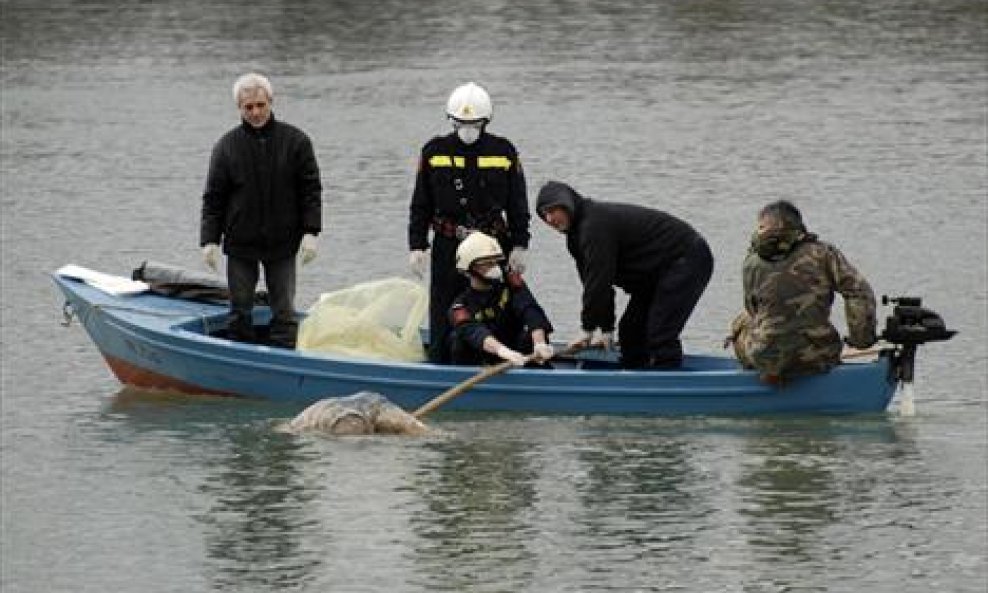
(790, 278)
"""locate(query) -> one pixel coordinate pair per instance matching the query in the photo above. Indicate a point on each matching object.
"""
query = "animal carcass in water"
(364, 412)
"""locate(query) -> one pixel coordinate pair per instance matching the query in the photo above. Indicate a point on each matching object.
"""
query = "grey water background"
(871, 116)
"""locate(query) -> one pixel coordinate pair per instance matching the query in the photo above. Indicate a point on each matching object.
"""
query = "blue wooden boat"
(158, 342)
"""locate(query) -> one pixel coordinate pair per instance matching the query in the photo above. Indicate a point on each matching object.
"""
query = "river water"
(871, 116)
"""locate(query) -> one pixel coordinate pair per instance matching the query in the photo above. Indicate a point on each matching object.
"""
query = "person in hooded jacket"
(468, 180)
(790, 278)
(659, 260)
(497, 317)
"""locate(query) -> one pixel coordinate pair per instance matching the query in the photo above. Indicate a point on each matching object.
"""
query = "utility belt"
(451, 229)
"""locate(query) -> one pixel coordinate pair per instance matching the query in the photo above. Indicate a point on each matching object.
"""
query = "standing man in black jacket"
(263, 200)
(659, 260)
(467, 180)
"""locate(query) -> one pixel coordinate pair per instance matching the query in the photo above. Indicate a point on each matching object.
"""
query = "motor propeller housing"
(910, 323)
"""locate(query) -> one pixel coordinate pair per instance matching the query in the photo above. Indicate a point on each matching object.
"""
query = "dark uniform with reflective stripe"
(463, 187)
(508, 311)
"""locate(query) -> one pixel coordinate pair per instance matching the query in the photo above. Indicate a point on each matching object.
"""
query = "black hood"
(555, 193)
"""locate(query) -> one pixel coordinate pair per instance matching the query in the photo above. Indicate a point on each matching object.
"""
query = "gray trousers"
(279, 276)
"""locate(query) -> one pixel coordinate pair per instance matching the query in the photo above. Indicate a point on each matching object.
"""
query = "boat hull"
(155, 342)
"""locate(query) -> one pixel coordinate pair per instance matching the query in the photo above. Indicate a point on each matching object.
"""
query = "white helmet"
(476, 246)
(469, 102)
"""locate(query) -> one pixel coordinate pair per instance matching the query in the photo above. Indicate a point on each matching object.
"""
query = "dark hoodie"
(615, 244)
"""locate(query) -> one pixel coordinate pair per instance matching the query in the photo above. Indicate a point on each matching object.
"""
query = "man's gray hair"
(249, 82)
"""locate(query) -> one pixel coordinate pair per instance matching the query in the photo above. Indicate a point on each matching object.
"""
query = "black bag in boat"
(177, 282)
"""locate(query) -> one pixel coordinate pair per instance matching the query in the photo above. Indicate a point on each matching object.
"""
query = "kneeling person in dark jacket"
(496, 318)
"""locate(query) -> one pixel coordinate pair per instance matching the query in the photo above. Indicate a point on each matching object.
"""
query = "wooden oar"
(467, 384)
(459, 388)
(850, 353)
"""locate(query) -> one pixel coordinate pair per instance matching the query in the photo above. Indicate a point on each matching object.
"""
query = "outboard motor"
(910, 325)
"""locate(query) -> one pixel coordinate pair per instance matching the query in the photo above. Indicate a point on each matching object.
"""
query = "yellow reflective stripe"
(494, 162)
(490, 313)
(483, 162)
(441, 160)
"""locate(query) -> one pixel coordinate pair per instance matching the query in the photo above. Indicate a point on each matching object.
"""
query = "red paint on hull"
(129, 374)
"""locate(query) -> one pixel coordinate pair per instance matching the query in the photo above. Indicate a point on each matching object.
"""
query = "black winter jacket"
(263, 192)
(616, 244)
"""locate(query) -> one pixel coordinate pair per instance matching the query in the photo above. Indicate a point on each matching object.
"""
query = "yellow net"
(378, 319)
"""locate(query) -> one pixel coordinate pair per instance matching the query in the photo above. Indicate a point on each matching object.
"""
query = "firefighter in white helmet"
(497, 317)
(468, 180)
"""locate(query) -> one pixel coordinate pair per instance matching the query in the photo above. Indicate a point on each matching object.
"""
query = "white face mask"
(468, 134)
(494, 274)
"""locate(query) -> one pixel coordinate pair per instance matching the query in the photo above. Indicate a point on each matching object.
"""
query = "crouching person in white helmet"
(497, 318)
(468, 180)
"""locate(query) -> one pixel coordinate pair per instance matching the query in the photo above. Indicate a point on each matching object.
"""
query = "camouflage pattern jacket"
(785, 329)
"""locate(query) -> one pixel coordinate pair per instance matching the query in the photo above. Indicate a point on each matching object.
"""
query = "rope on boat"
(67, 314)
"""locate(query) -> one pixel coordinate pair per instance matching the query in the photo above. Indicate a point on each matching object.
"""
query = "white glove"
(543, 351)
(516, 260)
(416, 262)
(604, 340)
(308, 248)
(582, 340)
(211, 255)
(515, 358)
